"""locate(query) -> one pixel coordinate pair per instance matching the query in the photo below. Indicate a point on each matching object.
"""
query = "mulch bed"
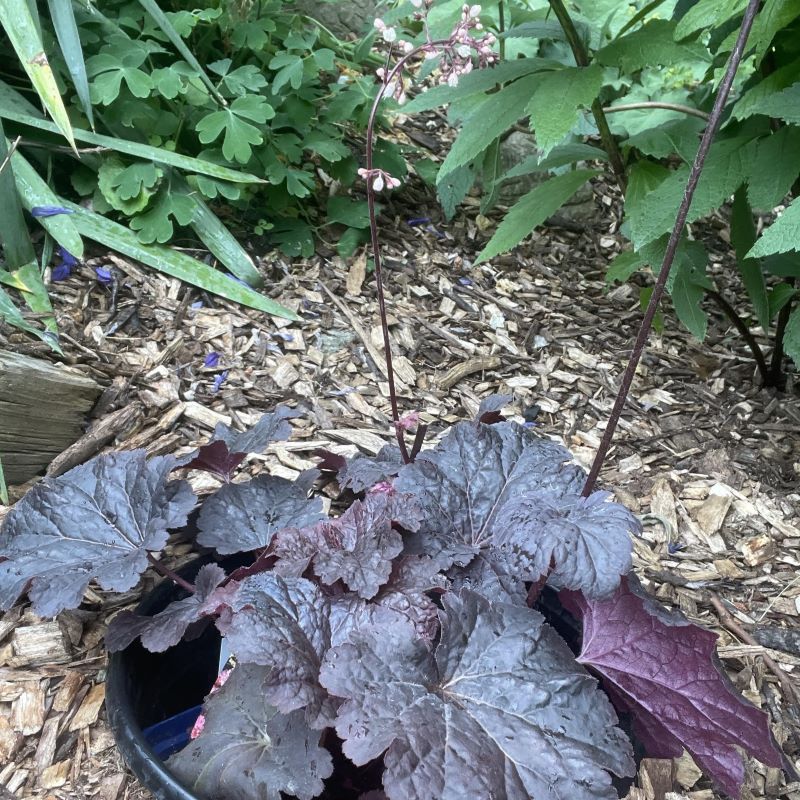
(710, 462)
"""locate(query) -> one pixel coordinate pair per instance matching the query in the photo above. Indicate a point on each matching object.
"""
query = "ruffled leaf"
(241, 517)
(272, 427)
(498, 709)
(248, 750)
(97, 521)
(361, 472)
(165, 629)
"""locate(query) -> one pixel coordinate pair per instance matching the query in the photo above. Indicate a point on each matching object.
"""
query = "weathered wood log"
(43, 410)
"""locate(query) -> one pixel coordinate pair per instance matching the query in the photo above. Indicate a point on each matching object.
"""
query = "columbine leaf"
(164, 630)
(97, 521)
(241, 517)
(499, 709)
(358, 547)
(249, 751)
(463, 482)
(363, 472)
(580, 542)
(664, 671)
(283, 624)
(271, 427)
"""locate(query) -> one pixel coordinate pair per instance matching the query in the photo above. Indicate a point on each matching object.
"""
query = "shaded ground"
(709, 461)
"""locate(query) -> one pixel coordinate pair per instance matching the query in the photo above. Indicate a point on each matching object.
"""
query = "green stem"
(501, 10)
(582, 60)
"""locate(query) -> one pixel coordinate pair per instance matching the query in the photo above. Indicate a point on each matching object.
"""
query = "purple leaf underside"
(215, 458)
(271, 427)
(248, 750)
(165, 629)
(97, 521)
(665, 671)
(241, 517)
(462, 484)
(490, 408)
(499, 709)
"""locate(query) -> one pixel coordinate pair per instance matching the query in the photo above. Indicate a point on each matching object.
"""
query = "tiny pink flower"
(380, 24)
(409, 421)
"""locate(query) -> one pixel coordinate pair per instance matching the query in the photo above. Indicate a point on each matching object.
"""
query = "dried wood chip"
(28, 710)
(55, 775)
(711, 515)
(757, 549)
(46, 748)
(90, 708)
(41, 643)
(67, 690)
(204, 416)
(468, 367)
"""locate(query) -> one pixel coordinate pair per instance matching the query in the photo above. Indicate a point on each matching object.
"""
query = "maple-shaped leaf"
(248, 750)
(361, 472)
(216, 458)
(283, 624)
(664, 671)
(241, 517)
(463, 483)
(97, 521)
(499, 709)
(271, 427)
(165, 629)
(359, 546)
(579, 542)
(490, 408)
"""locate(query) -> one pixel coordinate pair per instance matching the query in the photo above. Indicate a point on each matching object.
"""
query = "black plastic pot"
(144, 689)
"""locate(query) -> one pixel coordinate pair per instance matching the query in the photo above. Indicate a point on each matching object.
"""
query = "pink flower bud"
(379, 24)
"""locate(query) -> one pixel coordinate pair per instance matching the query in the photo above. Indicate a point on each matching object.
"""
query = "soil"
(708, 459)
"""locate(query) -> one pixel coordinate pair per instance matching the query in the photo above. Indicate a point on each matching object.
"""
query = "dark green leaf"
(775, 167)
(782, 236)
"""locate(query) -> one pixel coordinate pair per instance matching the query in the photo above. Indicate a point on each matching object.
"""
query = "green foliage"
(184, 112)
(653, 67)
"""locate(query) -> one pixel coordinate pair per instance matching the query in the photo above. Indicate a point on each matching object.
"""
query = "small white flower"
(464, 50)
(363, 173)
(377, 184)
(475, 11)
(389, 34)
(416, 3)
(380, 72)
(379, 24)
(407, 47)
(393, 182)
(452, 79)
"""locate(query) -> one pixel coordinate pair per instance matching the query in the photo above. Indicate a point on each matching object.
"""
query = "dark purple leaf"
(98, 521)
(358, 547)
(50, 211)
(241, 517)
(330, 462)
(579, 542)
(363, 472)
(499, 709)
(271, 427)
(665, 672)
(248, 750)
(490, 573)
(104, 275)
(284, 625)
(164, 630)
(294, 548)
(490, 408)
(211, 360)
(60, 272)
(215, 458)
(465, 481)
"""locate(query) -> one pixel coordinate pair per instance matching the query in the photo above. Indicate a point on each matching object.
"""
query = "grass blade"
(19, 25)
(14, 236)
(173, 263)
(135, 149)
(3, 487)
(218, 239)
(161, 19)
(13, 316)
(34, 191)
(69, 41)
(28, 282)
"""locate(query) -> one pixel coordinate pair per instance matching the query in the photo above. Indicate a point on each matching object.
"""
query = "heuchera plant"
(408, 648)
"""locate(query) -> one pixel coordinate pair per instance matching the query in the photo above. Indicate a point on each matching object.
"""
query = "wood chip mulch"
(709, 461)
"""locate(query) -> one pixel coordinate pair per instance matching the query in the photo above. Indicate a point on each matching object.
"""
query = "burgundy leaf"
(499, 709)
(97, 521)
(462, 484)
(358, 547)
(664, 670)
(490, 408)
(329, 461)
(247, 750)
(164, 630)
(241, 517)
(578, 542)
(215, 458)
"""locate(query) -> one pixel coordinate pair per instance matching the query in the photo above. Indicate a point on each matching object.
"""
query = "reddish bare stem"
(669, 256)
(373, 230)
(168, 573)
